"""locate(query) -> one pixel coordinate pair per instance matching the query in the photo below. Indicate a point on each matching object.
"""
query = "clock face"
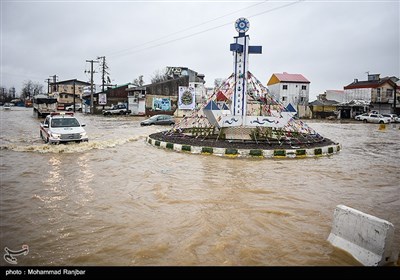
(242, 25)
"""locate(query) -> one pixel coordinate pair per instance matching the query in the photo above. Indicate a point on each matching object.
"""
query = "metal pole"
(91, 85)
(74, 95)
(91, 88)
(394, 100)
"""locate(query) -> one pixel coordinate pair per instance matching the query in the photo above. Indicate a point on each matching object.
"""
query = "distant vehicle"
(361, 117)
(159, 120)
(119, 109)
(43, 105)
(7, 106)
(393, 117)
(78, 107)
(372, 118)
(61, 128)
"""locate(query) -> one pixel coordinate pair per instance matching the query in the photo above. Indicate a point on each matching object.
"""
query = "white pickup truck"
(61, 128)
(119, 109)
(78, 107)
(372, 118)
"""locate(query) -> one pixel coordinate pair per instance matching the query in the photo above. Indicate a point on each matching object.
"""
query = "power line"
(206, 30)
(183, 30)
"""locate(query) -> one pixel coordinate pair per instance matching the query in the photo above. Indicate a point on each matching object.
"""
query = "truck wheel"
(121, 112)
(365, 121)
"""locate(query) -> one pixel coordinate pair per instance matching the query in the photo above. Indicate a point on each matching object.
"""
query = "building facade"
(163, 96)
(67, 92)
(380, 92)
(288, 89)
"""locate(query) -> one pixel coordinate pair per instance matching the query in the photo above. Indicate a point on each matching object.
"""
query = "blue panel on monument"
(235, 47)
(255, 49)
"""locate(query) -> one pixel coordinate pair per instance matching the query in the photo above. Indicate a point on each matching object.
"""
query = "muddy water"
(118, 201)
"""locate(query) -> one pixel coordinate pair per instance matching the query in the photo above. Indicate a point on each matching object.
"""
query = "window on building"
(303, 87)
(389, 92)
(378, 91)
(302, 99)
(284, 87)
(283, 98)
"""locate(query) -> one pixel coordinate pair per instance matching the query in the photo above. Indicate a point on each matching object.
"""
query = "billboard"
(102, 99)
(187, 98)
(163, 104)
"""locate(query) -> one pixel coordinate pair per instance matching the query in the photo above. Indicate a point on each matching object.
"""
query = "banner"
(163, 104)
(102, 99)
(187, 98)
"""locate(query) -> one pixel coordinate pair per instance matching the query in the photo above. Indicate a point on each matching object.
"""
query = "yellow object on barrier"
(382, 126)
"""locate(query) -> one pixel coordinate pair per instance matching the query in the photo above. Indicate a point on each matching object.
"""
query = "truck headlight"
(83, 134)
(55, 135)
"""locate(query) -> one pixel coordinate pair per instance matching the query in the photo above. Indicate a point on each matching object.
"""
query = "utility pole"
(48, 85)
(74, 93)
(55, 86)
(91, 84)
(104, 72)
(394, 98)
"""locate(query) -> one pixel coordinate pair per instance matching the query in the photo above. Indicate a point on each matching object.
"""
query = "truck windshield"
(67, 122)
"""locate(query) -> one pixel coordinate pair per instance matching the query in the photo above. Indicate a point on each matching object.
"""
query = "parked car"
(78, 107)
(119, 109)
(61, 128)
(159, 120)
(361, 117)
(393, 117)
(372, 118)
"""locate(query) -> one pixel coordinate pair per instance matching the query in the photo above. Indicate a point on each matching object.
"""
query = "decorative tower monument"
(241, 118)
(238, 114)
(241, 50)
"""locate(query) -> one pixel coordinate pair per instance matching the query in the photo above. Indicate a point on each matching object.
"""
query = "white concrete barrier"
(367, 238)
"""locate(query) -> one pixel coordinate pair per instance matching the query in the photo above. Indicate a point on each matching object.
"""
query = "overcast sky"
(329, 42)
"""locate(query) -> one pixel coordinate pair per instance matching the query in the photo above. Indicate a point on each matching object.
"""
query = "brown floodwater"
(119, 201)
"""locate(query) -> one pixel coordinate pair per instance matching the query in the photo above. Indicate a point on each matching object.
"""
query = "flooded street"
(119, 201)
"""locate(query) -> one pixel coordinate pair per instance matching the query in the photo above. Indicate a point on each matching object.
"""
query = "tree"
(159, 76)
(138, 81)
(3, 94)
(218, 82)
(30, 89)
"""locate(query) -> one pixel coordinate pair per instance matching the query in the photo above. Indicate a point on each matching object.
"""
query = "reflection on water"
(118, 201)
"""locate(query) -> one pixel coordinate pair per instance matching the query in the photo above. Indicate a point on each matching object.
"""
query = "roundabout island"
(242, 119)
